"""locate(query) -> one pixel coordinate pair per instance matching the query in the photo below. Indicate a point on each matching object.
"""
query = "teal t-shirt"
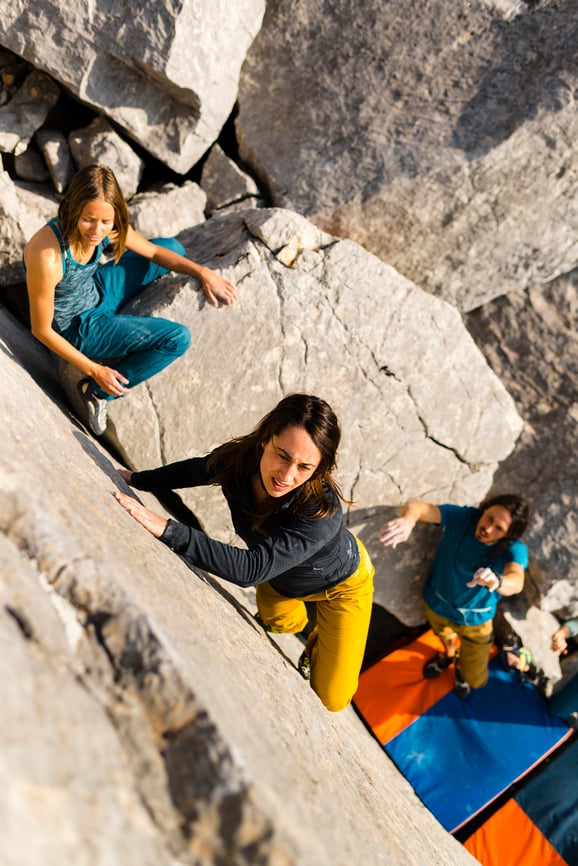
(458, 557)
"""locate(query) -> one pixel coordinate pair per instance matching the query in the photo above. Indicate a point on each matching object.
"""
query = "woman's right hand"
(109, 380)
(125, 474)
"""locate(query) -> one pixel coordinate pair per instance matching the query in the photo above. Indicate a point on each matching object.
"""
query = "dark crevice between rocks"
(21, 621)
(94, 623)
(205, 785)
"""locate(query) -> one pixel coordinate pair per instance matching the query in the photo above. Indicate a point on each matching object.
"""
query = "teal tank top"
(76, 292)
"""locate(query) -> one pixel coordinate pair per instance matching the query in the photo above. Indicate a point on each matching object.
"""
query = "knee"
(170, 244)
(180, 338)
(333, 702)
(334, 696)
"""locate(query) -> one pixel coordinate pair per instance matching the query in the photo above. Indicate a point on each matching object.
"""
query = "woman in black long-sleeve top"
(286, 507)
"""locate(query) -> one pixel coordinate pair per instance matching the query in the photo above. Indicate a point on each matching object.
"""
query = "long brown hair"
(92, 183)
(517, 507)
(317, 497)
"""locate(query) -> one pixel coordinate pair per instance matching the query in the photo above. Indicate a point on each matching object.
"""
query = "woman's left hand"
(217, 288)
(154, 523)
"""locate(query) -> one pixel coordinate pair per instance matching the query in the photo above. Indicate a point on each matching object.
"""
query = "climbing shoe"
(304, 665)
(436, 666)
(266, 627)
(461, 687)
(96, 407)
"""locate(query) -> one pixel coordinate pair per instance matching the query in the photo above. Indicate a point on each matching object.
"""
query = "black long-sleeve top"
(302, 555)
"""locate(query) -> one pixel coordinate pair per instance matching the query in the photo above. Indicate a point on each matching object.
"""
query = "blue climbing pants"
(136, 346)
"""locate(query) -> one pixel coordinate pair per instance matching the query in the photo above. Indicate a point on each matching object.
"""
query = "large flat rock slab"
(421, 412)
(146, 718)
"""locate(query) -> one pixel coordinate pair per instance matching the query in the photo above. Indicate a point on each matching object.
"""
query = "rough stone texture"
(427, 135)
(166, 211)
(26, 112)
(224, 182)
(165, 74)
(22, 212)
(146, 718)
(99, 143)
(29, 165)
(54, 147)
(530, 340)
(422, 415)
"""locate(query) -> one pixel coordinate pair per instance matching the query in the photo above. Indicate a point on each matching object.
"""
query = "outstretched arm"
(396, 531)
(215, 287)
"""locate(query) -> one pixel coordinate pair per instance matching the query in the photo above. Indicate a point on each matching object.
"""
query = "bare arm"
(513, 579)
(396, 531)
(43, 272)
(215, 287)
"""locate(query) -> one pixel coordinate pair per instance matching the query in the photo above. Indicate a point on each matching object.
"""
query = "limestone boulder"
(422, 414)
(54, 148)
(26, 111)
(23, 210)
(146, 718)
(167, 75)
(167, 210)
(225, 184)
(441, 139)
(99, 143)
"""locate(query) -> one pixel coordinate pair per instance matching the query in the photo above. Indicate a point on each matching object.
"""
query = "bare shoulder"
(43, 251)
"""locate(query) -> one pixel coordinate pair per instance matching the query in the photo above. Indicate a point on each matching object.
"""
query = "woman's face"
(95, 222)
(289, 459)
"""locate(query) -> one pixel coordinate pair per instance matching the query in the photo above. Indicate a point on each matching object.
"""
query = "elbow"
(43, 335)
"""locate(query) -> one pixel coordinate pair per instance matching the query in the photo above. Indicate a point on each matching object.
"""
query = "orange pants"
(337, 644)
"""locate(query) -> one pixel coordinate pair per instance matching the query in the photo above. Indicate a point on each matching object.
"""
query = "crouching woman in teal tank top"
(75, 300)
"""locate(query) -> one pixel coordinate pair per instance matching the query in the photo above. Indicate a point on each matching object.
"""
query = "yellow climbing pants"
(336, 645)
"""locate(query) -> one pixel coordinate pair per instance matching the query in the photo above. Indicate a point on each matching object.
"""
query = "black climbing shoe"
(436, 666)
(461, 687)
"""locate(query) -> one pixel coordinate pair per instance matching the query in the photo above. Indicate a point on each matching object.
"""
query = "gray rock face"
(22, 213)
(224, 182)
(421, 413)
(99, 143)
(428, 136)
(164, 212)
(26, 112)
(149, 720)
(167, 75)
(54, 148)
